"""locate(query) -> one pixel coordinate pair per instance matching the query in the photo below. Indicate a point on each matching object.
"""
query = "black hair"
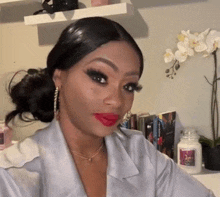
(35, 92)
(84, 36)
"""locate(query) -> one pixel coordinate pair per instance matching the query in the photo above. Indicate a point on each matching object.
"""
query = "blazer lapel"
(61, 177)
(121, 169)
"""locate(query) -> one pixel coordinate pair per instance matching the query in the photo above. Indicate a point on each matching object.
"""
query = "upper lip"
(109, 116)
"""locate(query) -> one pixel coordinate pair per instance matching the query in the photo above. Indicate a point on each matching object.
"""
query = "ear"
(57, 78)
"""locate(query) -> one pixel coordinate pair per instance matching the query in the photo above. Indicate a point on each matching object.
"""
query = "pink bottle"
(5, 136)
(99, 2)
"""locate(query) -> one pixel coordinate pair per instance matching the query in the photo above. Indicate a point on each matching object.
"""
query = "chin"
(105, 131)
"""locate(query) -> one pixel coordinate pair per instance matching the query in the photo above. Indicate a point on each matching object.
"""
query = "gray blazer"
(42, 166)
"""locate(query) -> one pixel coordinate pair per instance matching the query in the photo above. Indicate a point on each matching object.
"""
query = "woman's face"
(98, 91)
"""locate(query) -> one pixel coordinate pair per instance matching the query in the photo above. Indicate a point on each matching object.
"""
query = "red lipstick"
(107, 119)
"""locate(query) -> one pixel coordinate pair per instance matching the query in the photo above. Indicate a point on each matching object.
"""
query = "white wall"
(189, 93)
(155, 27)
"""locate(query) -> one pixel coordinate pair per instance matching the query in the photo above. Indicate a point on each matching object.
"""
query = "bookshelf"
(114, 10)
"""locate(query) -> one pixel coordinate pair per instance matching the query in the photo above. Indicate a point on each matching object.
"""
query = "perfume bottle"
(5, 136)
(189, 155)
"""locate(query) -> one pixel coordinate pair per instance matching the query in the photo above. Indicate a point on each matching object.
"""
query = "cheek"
(129, 102)
(83, 95)
(91, 92)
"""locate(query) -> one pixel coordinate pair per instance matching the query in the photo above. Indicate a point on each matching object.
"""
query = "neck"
(78, 141)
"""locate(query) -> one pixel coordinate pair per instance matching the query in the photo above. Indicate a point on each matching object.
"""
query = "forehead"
(120, 53)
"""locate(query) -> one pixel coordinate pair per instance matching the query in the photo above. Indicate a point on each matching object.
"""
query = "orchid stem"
(214, 102)
(207, 81)
(173, 69)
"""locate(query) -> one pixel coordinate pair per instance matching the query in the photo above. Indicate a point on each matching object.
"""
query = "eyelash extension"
(136, 87)
(98, 74)
(95, 73)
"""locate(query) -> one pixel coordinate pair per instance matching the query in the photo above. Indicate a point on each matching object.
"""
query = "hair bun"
(34, 94)
(32, 71)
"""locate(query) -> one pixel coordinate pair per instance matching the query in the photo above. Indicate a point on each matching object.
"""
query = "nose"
(114, 98)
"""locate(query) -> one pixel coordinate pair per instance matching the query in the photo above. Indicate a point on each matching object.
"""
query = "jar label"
(187, 157)
(2, 138)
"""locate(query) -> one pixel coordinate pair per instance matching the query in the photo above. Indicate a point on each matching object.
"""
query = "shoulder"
(139, 148)
(124, 134)
(153, 165)
(22, 152)
(19, 154)
(130, 132)
(127, 136)
(19, 169)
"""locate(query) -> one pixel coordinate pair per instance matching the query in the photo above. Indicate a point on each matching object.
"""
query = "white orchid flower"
(184, 34)
(181, 37)
(206, 41)
(213, 41)
(168, 56)
(180, 56)
(197, 40)
(183, 51)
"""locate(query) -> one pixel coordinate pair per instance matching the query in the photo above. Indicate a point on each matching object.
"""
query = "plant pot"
(99, 2)
(211, 157)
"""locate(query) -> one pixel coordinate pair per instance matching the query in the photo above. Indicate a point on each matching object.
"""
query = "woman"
(94, 70)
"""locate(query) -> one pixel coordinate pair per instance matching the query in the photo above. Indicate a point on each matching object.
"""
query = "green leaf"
(217, 142)
(206, 141)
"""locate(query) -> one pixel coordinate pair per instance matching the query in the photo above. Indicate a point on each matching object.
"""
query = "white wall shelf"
(17, 2)
(116, 10)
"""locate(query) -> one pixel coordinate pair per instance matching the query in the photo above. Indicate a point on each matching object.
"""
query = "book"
(159, 130)
(133, 121)
(167, 133)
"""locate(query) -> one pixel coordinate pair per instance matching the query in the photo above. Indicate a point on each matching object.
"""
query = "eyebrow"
(113, 66)
(132, 73)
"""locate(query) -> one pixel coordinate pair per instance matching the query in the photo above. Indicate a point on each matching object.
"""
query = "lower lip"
(107, 120)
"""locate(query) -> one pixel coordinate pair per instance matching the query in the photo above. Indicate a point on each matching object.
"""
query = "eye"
(131, 87)
(97, 76)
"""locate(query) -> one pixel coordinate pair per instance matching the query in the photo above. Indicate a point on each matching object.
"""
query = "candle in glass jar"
(190, 152)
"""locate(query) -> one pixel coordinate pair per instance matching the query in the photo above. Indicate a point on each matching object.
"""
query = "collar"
(60, 163)
(120, 164)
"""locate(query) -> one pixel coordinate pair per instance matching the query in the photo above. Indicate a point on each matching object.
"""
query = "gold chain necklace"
(90, 158)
